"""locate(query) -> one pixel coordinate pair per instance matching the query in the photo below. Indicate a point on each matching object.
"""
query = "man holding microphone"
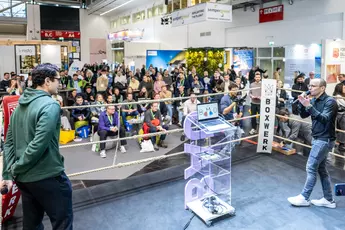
(323, 111)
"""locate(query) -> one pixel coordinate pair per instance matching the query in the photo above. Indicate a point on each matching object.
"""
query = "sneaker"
(252, 132)
(155, 147)
(183, 137)
(299, 201)
(102, 154)
(122, 149)
(324, 203)
(341, 147)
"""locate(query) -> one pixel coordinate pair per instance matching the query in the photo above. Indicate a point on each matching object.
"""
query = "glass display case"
(208, 190)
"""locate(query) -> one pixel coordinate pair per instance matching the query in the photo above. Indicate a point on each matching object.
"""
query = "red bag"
(146, 128)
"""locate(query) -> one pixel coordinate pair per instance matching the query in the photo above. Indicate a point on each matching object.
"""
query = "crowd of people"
(97, 85)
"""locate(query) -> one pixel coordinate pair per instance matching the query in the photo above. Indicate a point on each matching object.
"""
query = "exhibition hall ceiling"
(102, 6)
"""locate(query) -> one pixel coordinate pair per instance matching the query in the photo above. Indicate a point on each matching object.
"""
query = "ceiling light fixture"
(116, 7)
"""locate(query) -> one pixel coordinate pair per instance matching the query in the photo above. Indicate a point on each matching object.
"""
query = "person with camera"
(230, 104)
(323, 112)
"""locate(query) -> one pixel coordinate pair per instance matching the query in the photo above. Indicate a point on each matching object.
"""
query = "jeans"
(125, 114)
(170, 112)
(162, 137)
(51, 195)
(103, 134)
(317, 164)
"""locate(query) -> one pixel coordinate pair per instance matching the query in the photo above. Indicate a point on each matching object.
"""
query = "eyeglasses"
(58, 79)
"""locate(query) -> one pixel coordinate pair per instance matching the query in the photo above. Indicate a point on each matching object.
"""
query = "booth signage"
(25, 50)
(57, 34)
(267, 115)
(218, 12)
(202, 12)
(126, 35)
(271, 14)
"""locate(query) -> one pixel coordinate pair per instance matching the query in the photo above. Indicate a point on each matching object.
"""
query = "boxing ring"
(154, 199)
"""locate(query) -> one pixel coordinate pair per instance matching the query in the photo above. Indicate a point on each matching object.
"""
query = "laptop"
(208, 117)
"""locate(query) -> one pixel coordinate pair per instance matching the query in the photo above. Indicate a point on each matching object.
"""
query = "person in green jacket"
(31, 154)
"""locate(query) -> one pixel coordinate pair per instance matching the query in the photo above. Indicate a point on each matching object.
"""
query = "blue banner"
(243, 60)
(163, 58)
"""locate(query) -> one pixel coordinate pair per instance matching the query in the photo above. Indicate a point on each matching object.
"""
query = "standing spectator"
(339, 93)
(311, 77)
(281, 95)
(255, 95)
(298, 85)
(165, 93)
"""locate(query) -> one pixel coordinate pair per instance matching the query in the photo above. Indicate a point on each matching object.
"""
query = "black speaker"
(166, 2)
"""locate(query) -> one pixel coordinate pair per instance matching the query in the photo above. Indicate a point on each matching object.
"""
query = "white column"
(33, 30)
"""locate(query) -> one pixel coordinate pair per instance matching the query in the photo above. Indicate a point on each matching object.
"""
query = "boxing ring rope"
(304, 145)
(142, 135)
(146, 160)
(159, 100)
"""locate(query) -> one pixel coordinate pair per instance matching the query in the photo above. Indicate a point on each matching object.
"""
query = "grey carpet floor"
(260, 188)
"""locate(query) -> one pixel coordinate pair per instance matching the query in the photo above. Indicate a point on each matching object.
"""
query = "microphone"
(303, 94)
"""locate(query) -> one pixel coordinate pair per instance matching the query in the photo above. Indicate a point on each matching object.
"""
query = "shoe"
(122, 149)
(324, 203)
(299, 201)
(341, 147)
(161, 144)
(103, 154)
(183, 137)
(252, 132)
(155, 147)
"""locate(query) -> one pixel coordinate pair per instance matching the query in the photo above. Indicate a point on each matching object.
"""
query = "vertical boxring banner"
(267, 115)
(11, 199)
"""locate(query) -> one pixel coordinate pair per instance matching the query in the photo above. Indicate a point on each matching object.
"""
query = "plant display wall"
(204, 59)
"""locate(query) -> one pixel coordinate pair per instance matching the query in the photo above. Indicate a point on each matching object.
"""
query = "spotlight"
(291, 2)
(252, 8)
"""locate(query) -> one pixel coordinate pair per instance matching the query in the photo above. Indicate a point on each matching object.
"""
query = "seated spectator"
(96, 111)
(110, 99)
(90, 79)
(76, 83)
(291, 129)
(89, 95)
(72, 98)
(153, 123)
(109, 126)
(134, 83)
(15, 87)
(4, 84)
(120, 81)
(102, 82)
(147, 84)
(225, 84)
(129, 109)
(117, 97)
(163, 110)
(188, 107)
(168, 80)
(197, 86)
(158, 83)
(80, 114)
(65, 124)
(164, 94)
(130, 90)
